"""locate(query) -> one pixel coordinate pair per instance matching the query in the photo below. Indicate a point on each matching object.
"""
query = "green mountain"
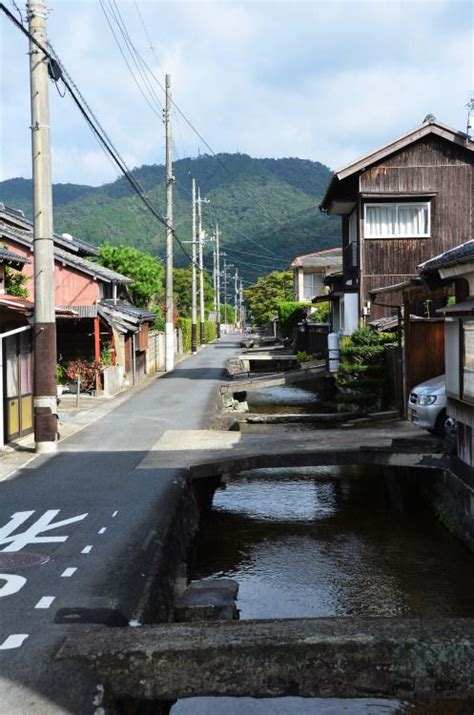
(267, 209)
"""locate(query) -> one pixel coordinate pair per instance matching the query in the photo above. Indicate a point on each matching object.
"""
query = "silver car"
(427, 406)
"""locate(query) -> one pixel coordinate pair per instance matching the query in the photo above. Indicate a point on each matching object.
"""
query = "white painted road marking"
(67, 573)
(103, 530)
(45, 602)
(14, 641)
(12, 584)
(115, 513)
(31, 535)
(86, 549)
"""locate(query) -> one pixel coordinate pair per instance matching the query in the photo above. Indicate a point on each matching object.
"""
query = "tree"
(182, 287)
(264, 296)
(146, 272)
(15, 283)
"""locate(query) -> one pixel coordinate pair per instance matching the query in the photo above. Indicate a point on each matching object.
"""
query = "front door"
(18, 386)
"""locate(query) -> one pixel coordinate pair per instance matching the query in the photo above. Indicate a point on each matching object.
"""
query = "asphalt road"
(73, 527)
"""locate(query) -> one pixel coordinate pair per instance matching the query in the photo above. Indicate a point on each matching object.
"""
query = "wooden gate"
(424, 350)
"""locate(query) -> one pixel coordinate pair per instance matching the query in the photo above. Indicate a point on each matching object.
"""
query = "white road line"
(45, 602)
(103, 530)
(86, 549)
(67, 573)
(14, 641)
(115, 513)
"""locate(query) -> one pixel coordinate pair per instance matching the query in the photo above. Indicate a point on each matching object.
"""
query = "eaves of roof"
(430, 127)
(73, 244)
(464, 253)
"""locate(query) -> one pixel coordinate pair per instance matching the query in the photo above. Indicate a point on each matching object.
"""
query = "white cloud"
(322, 80)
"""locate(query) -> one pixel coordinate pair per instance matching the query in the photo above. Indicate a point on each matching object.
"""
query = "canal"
(331, 541)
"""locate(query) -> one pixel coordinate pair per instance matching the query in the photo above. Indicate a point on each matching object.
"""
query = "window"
(468, 360)
(409, 220)
(312, 285)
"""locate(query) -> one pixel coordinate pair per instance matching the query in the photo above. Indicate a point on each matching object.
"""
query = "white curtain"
(381, 220)
(396, 220)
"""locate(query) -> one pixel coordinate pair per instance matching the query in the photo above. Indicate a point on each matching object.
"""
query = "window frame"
(397, 204)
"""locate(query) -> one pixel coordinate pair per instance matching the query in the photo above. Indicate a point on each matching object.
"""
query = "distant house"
(311, 269)
(403, 203)
(84, 292)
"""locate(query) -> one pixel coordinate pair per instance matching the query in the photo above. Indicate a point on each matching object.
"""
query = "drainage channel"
(331, 542)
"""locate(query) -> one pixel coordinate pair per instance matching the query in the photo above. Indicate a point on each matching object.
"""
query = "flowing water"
(330, 541)
(283, 399)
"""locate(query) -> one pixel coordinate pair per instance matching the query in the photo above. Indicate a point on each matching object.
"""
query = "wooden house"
(401, 204)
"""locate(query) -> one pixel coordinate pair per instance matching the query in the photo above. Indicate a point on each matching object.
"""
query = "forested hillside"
(267, 209)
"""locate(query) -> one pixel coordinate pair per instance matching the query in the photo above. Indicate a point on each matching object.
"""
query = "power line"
(97, 129)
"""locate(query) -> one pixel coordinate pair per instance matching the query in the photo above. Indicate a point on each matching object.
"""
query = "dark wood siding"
(430, 166)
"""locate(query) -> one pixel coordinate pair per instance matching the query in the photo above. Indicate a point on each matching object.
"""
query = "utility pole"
(201, 272)
(214, 275)
(241, 303)
(45, 404)
(169, 324)
(236, 299)
(218, 283)
(193, 268)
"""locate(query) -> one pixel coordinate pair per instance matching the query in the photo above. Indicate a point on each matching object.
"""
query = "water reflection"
(283, 399)
(329, 541)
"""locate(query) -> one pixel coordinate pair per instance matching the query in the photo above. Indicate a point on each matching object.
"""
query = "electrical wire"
(99, 133)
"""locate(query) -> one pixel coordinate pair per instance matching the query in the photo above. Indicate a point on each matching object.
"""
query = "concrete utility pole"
(193, 269)
(241, 303)
(201, 272)
(169, 324)
(236, 298)
(45, 405)
(214, 275)
(218, 283)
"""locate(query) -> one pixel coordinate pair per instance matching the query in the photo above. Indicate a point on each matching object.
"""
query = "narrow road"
(73, 529)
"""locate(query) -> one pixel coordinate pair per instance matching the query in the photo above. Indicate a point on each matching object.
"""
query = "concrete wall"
(155, 357)
(112, 380)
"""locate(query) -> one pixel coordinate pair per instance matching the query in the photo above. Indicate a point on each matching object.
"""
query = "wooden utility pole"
(218, 282)
(45, 400)
(193, 269)
(201, 272)
(169, 323)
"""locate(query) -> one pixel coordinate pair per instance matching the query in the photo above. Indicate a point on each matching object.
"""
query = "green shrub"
(185, 324)
(290, 313)
(210, 331)
(361, 380)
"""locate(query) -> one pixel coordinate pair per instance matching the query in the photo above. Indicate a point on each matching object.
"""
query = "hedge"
(185, 324)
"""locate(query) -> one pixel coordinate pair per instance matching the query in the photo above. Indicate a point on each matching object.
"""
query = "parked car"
(427, 407)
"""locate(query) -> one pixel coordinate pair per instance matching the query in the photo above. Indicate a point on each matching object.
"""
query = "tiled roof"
(319, 259)
(12, 258)
(460, 254)
(73, 244)
(124, 316)
(95, 269)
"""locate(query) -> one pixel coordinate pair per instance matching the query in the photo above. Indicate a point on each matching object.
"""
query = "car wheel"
(445, 426)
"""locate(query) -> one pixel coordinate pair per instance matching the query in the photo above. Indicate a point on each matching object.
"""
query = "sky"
(327, 81)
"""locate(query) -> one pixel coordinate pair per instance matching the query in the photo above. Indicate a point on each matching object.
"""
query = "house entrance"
(18, 386)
